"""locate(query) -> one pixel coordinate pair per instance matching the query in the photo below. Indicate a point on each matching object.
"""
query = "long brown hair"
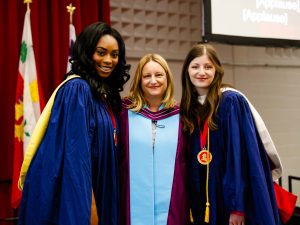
(190, 108)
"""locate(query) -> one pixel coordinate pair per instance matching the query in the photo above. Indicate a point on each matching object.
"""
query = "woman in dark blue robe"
(230, 179)
(78, 154)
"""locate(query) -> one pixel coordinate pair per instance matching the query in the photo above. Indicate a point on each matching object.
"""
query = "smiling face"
(201, 72)
(154, 81)
(106, 55)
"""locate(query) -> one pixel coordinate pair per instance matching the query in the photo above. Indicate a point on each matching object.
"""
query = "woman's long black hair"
(83, 64)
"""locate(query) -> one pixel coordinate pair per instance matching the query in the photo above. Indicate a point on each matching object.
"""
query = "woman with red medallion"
(230, 179)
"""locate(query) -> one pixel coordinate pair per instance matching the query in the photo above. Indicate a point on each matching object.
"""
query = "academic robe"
(152, 196)
(239, 174)
(76, 155)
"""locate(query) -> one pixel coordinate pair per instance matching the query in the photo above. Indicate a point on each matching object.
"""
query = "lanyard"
(203, 134)
(113, 120)
(204, 157)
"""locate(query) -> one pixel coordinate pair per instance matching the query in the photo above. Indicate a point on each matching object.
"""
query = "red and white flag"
(27, 105)
(72, 39)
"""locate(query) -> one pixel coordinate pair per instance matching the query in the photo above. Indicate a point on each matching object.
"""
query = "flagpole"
(72, 34)
(71, 9)
(28, 4)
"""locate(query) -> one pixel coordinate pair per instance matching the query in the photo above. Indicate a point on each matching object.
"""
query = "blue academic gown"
(76, 155)
(239, 173)
(153, 177)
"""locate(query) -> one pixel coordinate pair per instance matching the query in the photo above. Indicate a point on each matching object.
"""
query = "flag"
(72, 39)
(27, 105)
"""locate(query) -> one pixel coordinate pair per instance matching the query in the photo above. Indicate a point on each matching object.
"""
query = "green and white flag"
(27, 104)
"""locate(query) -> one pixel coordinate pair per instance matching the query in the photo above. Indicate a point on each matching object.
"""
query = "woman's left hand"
(236, 219)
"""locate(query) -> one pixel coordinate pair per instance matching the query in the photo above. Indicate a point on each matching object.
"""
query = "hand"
(236, 219)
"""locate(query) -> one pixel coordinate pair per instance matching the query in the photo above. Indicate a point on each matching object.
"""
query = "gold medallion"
(204, 157)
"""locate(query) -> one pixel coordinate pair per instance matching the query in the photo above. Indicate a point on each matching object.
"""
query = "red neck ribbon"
(113, 120)
(203, 133)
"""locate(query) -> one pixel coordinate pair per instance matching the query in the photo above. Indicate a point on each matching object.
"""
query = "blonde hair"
(136, 94)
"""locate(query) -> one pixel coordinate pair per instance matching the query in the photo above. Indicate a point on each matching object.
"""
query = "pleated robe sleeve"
(58, 185)
(247, 183)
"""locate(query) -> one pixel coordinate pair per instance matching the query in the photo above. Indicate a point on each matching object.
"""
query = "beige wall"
(270, 78)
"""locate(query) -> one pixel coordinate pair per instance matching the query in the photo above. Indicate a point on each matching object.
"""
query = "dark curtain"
(50, 33)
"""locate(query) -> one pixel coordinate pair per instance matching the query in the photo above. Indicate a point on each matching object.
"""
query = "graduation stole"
(38, 134)
(155, 116)
(204, 157)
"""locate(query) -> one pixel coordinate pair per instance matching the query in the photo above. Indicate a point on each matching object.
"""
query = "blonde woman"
(153, 169)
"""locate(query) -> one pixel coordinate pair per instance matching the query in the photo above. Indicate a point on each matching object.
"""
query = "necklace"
(204, 157)
(114, 123)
